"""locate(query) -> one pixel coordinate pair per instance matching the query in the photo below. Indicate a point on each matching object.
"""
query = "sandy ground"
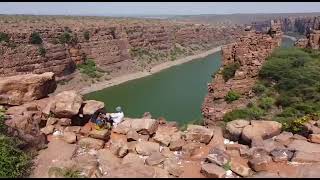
(118, 80)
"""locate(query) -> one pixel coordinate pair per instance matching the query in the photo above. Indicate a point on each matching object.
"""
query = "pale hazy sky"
(155, 8)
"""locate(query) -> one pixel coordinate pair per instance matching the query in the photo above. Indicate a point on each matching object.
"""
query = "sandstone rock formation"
(16, 90)
(116, 45)
(249, 52)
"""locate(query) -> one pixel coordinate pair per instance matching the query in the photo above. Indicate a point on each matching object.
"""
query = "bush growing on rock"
(42, 51)
(266, 103)
(232, 96)
(65, 38)
(253, 112)
(294, 75)
(89, 68)
(35, 38)
(4, 37)
(86, 35)
(229, 71)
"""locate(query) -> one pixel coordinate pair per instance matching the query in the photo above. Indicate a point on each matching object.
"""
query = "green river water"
(175, 93)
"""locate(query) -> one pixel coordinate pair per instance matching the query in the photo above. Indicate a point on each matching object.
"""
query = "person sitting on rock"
(100, 121)
(117, 117)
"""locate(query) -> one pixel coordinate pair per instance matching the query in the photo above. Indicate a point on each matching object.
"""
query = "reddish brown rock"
(199, 134)
(212, 171)
(16, 90)
(315, 138)
(91, 106)
(66, 104)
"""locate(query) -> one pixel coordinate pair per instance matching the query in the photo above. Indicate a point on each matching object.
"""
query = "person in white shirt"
(116, 117)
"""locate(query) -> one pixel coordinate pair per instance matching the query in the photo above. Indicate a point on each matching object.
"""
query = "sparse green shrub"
(232, 96)
(229, 71)
(13, 161)
(227, 166)
(259, 88)
(266, 103)
(42, 51)
(64, 172)
(35, 38)
(253, 112)
(89, 68)
(86, 35)
(4, 37)
(64, 38)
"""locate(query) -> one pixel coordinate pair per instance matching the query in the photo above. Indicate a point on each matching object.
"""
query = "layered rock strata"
(249, 52)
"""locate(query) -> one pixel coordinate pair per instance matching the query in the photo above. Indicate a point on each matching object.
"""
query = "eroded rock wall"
(110, 43)
(249, 51)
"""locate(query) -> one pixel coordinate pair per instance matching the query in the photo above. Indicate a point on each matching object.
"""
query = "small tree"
(86, 35)
(4, 37)
(35, 38)
(42, 51)
(64, 38)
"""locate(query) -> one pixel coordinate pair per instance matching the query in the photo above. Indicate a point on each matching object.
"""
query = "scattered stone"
(132, 135)
(52, 121)
(189, 148)
(86, 128)
(91, 106)
(260, 162)
(173, 166)
(240, 166)
(199, 134)
(218, 156)
(284, 138)
(69, 137)
(265, 174)
(164, 133)
(99, 134)
(48, 129)
(154, 159)
(280, 155)
(124, 127)
(167, 153)
(132, 158)
(64, 122)
(75, 129)
(212, 170)
(88, 142)
(177, 145)
(147, 148)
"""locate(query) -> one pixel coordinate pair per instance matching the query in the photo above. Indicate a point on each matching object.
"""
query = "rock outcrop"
(16, 90)
(248, 52)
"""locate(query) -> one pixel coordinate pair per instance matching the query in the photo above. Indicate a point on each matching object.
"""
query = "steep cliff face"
(116, 46)
(311, 41)
(249, 52)
(292, 24)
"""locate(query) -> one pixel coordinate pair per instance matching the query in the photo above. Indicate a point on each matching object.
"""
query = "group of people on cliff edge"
(104, 120)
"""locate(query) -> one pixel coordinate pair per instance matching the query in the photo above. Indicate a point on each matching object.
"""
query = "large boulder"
(144, 126)
(91, 106)
(263, 129)
(199, 134)
(306, 157)
(66, 104)
(16, 90)
(304, 146)
(211, 170)
(91, 143)
(107, 161)
(146, 148)
(234, 129)
(166, 134)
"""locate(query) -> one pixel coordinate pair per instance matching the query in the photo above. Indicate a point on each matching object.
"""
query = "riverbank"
(128, 77)
(290, 37)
